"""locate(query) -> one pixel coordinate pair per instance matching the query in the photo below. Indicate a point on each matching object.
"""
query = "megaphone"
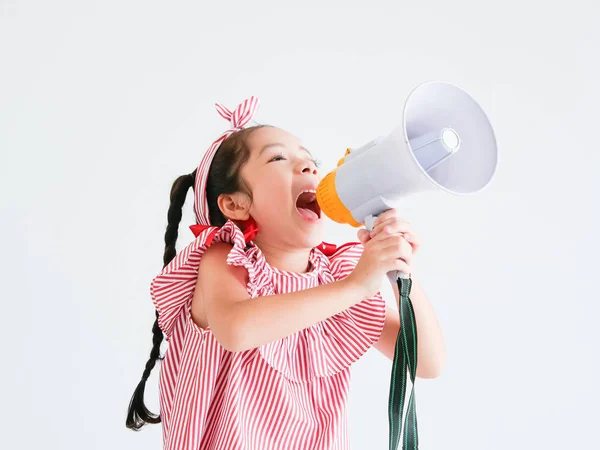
(444, 142)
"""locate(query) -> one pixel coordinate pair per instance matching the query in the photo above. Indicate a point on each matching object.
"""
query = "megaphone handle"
(394, 275)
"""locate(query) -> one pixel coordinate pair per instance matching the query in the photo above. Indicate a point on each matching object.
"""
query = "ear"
(235, 206)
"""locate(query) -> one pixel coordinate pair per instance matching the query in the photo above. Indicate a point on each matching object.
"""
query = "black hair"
(223, 178)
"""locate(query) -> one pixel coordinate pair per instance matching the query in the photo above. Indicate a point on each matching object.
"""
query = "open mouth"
(307, 205)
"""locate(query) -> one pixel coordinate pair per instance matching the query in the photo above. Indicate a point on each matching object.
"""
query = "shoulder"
(215, 256)
(217, 252)
(215, 264)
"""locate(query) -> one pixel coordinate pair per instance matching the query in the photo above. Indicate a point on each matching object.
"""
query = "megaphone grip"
(394, 275)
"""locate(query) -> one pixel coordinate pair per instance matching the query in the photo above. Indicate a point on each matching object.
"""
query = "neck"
(286, 259)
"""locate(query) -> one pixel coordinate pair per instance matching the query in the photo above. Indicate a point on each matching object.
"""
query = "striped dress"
(289, 394)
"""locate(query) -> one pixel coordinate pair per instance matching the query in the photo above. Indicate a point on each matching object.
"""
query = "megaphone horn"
(445, 142)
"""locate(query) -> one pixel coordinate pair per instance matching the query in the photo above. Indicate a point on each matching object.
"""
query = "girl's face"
(283, 178)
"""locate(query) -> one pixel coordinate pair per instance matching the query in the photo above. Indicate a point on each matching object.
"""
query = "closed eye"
(279, 157)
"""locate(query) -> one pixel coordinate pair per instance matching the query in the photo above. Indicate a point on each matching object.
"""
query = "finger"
(402, 266)
(396, 247)
(390, 213)
(387, 231)
(413, 240)
(405, 251)
(396, 226)
(363, 236)
(384, 234)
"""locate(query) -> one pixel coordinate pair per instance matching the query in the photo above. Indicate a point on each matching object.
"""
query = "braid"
(138, 414)
(178, 193)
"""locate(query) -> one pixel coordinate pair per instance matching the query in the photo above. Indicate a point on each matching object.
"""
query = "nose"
(306, 167)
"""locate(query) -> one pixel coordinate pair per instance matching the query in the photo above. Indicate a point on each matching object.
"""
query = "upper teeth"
(312, 191)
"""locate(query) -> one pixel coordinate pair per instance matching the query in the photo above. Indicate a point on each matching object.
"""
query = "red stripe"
(288, 394)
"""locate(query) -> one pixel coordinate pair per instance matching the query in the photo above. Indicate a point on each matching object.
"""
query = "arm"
(431, 353)
(239, 324)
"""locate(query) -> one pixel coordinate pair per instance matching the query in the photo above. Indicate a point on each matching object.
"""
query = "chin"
(311, 232)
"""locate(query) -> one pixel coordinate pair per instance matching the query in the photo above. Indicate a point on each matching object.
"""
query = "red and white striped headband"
(238, 118)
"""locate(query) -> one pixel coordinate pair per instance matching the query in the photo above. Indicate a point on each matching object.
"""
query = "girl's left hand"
(391, 222)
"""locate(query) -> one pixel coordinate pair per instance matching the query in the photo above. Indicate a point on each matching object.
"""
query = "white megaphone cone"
(445, 142)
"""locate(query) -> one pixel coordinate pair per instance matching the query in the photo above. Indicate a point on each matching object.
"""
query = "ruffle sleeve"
(361, 325)
(332, 345)
(173, 288)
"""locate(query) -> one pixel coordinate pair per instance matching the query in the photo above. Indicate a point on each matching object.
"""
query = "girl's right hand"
(387, 251)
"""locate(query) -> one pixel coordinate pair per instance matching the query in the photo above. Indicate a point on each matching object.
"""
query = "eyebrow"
(277, 144)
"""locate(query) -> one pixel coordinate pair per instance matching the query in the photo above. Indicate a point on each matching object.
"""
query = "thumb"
(363, 236)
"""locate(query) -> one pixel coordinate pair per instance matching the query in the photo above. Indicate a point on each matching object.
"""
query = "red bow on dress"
(249, 226)
(250, 231)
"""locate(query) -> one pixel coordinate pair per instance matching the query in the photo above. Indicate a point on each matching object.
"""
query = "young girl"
(263, 319)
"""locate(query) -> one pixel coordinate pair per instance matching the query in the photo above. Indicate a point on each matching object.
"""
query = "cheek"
(270, 197)
(273, 196)
(273, 184)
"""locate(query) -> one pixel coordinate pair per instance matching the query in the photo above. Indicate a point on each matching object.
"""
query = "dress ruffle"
(332, 345)
(173, 288)
(321, 350)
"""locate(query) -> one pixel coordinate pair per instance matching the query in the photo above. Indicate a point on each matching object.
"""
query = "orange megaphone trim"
(330, 202)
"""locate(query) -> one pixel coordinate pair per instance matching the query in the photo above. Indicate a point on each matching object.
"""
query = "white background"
(104, 103)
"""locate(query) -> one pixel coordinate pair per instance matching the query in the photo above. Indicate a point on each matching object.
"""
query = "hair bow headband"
(238, 118)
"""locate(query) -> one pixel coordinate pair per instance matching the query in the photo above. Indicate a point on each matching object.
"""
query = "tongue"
(308, 213)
